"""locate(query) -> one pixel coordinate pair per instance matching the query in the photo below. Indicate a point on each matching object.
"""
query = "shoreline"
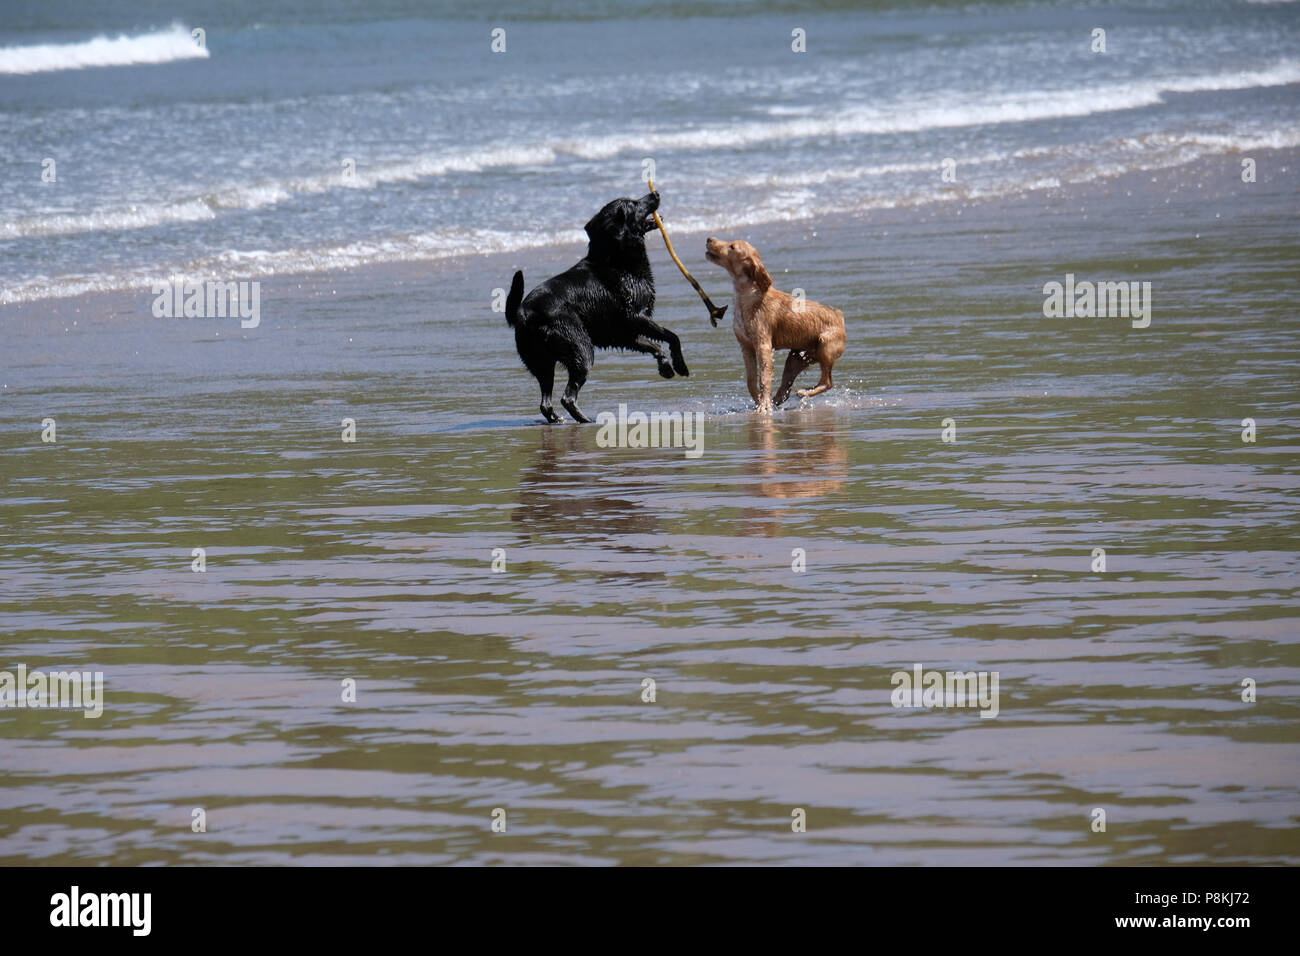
(535, 259)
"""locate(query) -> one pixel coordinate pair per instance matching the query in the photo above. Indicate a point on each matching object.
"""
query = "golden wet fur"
(766, 319)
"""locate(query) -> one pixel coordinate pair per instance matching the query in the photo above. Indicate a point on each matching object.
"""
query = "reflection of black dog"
(603, 302)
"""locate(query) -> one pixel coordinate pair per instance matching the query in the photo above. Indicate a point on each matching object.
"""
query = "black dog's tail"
(514, 298)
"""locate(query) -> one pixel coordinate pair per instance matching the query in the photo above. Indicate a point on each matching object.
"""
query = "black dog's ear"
(606, 224)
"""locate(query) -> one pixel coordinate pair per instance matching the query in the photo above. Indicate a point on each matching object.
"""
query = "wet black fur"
(604, 302)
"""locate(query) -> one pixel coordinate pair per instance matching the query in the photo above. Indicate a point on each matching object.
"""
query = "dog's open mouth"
(649, 206)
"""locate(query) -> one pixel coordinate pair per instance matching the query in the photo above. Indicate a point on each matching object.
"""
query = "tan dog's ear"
(755, 270)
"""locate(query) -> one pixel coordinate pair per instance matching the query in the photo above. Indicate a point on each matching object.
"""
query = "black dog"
(603, 302)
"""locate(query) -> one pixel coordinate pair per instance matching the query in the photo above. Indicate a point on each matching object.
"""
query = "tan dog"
(765, 320)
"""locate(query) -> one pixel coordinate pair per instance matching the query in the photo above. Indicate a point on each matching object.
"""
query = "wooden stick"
(714, 312)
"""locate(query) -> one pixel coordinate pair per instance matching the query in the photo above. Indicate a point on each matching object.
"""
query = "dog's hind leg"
(796, 362)
(822, 386)
(830, 346)
(577, 378)
(578, 362)
(546, 379)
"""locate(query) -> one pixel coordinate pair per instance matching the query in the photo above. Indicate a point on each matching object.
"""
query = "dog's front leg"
(751, 370)
(649, 348)
(647, 327)
(763, 352)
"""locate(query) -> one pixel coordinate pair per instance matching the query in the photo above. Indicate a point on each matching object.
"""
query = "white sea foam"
(794, 205)
(915, 116)
(848, 174)
(161, 47)
(784, 201)
(259, 263)
(108, 220)
(939, 113)
(233, 196)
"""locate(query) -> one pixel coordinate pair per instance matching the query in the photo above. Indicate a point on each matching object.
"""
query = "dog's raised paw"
(666, 371)
(680, 366)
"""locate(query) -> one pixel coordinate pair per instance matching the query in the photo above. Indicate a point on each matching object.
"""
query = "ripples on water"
(522, 689)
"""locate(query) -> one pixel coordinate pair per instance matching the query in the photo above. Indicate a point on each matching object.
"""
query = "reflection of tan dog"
(799, 457)
(796, 457)
(766, 319)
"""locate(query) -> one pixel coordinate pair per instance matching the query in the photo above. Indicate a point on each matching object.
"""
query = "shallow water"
(522, 690)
